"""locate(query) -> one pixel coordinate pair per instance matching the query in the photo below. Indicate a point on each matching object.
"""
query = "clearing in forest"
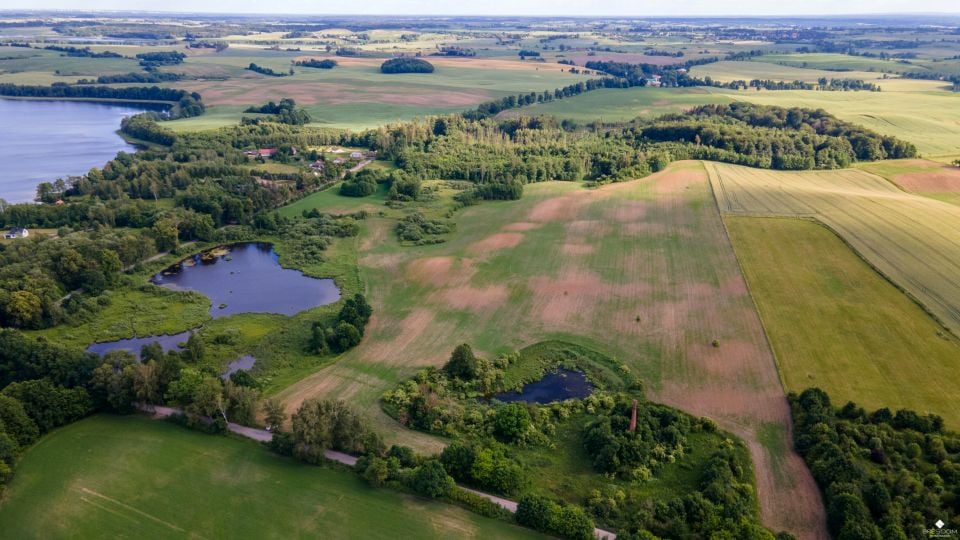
(642, 271)
(914, 241)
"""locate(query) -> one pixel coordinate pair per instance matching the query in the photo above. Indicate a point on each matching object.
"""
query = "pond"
(168, 342)
(244, 363)
(248, 278)
(43, 140)
(555, 386)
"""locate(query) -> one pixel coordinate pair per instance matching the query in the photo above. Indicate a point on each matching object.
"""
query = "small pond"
(168, 342)
(244, 363)
(555, 386)
(247, 278)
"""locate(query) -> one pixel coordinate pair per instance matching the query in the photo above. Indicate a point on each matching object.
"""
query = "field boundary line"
(743, 275)
(884, 275)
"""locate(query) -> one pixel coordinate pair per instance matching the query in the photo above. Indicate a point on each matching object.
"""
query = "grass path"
(642, 271)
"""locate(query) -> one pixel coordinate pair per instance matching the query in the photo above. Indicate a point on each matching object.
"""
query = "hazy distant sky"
(506, 7)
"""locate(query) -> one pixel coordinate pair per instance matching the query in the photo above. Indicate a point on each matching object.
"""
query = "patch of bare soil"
(560, 208)
(520, 226)
(944, 180)
(496, 242)
(475, 298)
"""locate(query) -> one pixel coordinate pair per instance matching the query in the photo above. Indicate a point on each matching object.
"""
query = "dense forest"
(884, 474)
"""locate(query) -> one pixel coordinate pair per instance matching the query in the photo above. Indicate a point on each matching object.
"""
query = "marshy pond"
(239, 278)
(169, 342)
(554, 386)
(247, 278)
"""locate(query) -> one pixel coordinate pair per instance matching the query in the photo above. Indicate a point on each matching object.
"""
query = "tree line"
(326, 63)
(186, 103)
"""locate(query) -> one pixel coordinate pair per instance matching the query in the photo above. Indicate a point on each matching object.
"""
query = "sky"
(506, 7)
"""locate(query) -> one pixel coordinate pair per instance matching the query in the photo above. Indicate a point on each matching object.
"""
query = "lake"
(247, 278)
(555, 386)
(44, 140)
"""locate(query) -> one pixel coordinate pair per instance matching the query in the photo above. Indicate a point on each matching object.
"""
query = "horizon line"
(490, 16)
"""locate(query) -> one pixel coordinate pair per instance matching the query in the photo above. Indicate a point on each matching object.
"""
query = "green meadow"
(106, 476)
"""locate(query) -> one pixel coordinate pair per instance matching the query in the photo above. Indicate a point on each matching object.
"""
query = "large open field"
(107, 476)
(642, 271)
(850, 331)
(913, 240)
(618, 105)
(356, 95)
(917, 111)
(727, 71)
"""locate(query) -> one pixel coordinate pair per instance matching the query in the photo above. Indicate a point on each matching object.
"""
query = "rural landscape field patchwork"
(430, 276)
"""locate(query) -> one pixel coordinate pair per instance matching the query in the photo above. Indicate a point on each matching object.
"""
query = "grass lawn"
(850, 332)
(108, 476)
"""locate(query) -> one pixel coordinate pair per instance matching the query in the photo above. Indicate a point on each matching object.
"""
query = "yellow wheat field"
(914, 241)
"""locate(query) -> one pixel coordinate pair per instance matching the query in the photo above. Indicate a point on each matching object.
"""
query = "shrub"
(432, 480)
(511, 421)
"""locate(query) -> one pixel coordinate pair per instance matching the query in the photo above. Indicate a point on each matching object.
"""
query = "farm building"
(261, 153)
(17, 232)
(339, 161)
(356, 155)
(317, 165)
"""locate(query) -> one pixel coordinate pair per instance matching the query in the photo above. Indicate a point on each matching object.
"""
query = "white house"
(17, 232)
(356, 155)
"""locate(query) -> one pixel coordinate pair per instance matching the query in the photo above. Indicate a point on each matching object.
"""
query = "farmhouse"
(356, 155)
(261, 153)
(317, 165)
(17, 232)
(339, 161)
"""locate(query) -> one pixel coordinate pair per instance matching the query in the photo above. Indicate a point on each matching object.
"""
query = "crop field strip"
(913, 241)
(851, 332)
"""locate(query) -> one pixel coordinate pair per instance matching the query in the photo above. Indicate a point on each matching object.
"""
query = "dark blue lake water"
(168, 342)
(556, 386)
(45, 140)
(244, 363)
(248, 278)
